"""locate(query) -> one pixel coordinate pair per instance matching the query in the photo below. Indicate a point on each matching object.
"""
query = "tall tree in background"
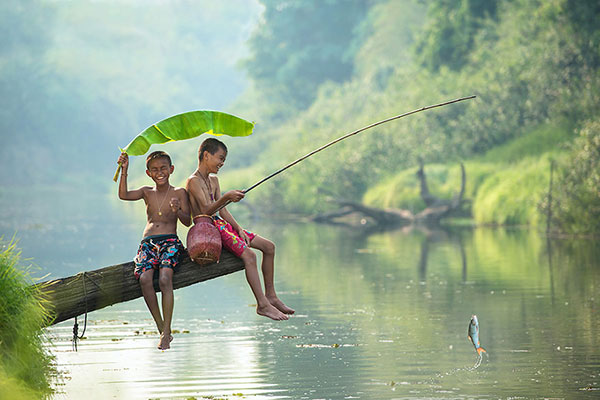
(300, 45)
(449, 35)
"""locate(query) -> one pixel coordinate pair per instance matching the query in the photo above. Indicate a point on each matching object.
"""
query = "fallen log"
(436, 209)
(92, 290)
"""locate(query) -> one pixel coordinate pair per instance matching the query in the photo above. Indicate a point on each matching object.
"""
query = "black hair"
(156, 155)
(211, 145)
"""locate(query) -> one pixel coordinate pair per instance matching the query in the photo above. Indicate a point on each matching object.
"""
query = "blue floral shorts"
(158, 251)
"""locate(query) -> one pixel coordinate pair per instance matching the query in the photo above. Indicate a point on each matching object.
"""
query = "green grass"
(547, 138)
(511, 195)
(506, 185)
(25, 366)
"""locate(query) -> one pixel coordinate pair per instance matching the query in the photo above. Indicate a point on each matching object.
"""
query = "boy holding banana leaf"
(160, 249)
(206, 199)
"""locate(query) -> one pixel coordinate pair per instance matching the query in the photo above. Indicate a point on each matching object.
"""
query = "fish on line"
(473, 334)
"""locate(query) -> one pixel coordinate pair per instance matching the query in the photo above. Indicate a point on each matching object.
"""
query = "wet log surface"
(92, 290)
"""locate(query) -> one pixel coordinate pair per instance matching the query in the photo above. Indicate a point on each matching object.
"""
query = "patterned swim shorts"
(230, 238)
(158, 251)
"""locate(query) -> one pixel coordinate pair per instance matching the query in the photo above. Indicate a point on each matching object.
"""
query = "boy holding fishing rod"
(160, 249)
(206, 199)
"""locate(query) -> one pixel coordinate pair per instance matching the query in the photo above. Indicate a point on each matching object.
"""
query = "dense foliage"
(533, 64)
(25, 366)
(299, 45)
(448, 36)
(578, 189)
(316, 70)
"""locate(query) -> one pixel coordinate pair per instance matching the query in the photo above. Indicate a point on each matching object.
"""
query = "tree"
(578, 188)
(449, 35)
(300, 45)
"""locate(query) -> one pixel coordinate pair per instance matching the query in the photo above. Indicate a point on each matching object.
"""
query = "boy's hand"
(235, 195)
(243, 235)
(175, 204)
(124, 161)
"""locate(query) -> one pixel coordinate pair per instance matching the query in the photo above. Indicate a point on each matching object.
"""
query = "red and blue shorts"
(158, 251)
(230, 239)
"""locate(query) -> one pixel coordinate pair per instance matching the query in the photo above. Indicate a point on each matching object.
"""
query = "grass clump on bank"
(506, 186)
(511, 196)
(25, 366)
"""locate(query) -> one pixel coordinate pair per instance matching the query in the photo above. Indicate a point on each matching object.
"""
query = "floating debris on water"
(364, 251)
(327, 346)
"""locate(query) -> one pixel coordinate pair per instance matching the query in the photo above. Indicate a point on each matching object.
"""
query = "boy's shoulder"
(177, 189)
(147, 188)
(196, 178)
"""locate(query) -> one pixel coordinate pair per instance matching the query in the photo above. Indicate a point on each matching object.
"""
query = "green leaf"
(187, 126)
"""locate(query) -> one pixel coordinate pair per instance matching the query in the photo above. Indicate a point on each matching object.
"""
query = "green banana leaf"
(187, 126)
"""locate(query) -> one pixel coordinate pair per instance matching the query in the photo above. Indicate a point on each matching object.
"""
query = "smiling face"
(159, 169)
(214, 162)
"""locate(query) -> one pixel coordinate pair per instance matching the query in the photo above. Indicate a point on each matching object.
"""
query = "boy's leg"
(268, 269)
(264, 306)
(150, 297)
(165, 281)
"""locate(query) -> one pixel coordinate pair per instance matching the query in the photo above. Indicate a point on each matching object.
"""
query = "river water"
(380, 315)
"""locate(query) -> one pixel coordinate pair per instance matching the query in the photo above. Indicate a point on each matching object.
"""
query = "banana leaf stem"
(117, 173)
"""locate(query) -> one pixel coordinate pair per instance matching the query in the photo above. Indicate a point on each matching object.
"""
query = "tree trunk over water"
(93, 290)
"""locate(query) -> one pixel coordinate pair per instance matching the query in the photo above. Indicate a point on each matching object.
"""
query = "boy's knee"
(269, 248)
(146, 279)
(165, 281)
(248, 256)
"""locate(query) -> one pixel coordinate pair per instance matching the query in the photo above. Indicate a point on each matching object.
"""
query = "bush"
(511, 195)
(577, 191)
(25, 366)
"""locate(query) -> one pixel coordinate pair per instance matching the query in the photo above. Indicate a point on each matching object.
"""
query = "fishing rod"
(347, 136)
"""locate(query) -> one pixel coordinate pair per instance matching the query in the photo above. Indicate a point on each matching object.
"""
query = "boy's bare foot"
(165, 342)
(280, 305)
(170, 336)
(271, 312)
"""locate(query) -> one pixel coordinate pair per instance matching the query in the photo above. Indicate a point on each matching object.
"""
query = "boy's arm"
(226, 215)
(200, 200)
(124, 193)
(181, 206)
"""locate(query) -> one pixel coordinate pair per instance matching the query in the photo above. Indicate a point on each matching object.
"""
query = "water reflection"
(380, 316)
